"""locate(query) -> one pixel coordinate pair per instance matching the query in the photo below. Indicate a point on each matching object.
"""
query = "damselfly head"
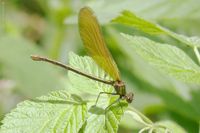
(129, 97)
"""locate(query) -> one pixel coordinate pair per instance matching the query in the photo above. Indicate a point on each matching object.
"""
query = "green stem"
(57, 42)
(196, 51)
(147, 120)
(144, 129)
(2, 17)
(199, 126)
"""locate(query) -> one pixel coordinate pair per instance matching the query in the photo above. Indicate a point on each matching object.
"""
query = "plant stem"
(141, 115)
(2, 16)
(57, 42)
(196, 51)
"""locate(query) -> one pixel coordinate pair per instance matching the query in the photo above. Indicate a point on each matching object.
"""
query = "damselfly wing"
(95, 45)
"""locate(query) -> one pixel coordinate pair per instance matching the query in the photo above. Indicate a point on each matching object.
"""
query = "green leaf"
(84, 84)
(167, 58)
(139, 117)
(98, 120)
(64, 112)
(174, 94)
(170, 125)
(130, 19)
(161, 126)
(58, 112)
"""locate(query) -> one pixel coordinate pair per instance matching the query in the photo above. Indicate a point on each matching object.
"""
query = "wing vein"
(94, 43)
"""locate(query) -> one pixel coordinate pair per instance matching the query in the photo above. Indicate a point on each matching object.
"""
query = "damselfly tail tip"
(35, 57)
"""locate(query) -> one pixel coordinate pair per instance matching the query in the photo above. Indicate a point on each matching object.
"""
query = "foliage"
(63, 112)
(167, 58)
(156, 52)
(57, 112)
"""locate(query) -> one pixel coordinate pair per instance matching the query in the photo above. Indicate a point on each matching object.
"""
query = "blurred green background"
(49, 27)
